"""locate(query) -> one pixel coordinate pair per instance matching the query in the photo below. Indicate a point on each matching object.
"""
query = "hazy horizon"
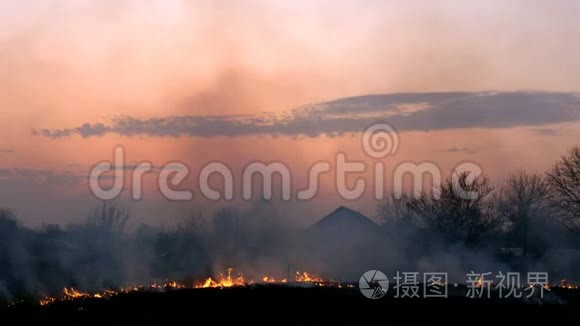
(493, 83)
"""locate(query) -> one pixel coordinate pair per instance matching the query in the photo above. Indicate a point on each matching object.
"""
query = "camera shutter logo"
(373, 284)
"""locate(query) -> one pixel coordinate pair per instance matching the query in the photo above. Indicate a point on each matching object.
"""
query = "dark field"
(301, 305)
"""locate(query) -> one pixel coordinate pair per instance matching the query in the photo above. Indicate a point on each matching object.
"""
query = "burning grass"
(223, 280)
(229, 279)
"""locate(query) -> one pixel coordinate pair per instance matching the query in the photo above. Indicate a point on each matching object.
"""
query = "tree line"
(509, 208)
(527, 211)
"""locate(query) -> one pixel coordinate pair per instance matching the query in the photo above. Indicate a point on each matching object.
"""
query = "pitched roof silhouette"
(344, 217)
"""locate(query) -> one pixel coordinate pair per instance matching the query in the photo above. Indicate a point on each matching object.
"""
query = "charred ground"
(277, 303)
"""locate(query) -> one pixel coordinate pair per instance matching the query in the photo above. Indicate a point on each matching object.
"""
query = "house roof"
(344, 217)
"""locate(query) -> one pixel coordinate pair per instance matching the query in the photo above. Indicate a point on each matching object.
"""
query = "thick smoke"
(102, 254)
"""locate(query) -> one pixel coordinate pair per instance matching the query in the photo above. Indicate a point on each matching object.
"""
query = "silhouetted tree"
(182, 252)
(521, 198)
(13, 254)
(195, 223)
(109, 217)
(564, 186)
(7, 219)
(396, 210)
(462, 212)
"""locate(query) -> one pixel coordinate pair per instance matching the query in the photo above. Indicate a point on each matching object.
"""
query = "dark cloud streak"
(405, 111)
(458, 150)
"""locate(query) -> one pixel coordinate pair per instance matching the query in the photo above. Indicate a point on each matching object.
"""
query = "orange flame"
(566, 285)
(306, 277)
(224, 281)
(221, 281)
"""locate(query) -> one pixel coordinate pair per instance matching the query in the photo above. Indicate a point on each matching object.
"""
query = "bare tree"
(521, 198)
(195, 223)
(564, 189)
(398, 211)
(455, 216)
(226, 224)
(8, 222)
(109, 217)
(7, 215)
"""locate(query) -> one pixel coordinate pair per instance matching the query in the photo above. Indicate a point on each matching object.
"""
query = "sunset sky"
(493, 82)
